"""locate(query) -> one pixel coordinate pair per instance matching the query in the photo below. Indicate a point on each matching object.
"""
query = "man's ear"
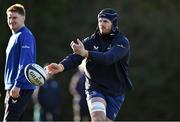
(24, 18)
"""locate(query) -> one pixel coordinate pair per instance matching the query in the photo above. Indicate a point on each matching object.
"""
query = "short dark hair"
(17, 8)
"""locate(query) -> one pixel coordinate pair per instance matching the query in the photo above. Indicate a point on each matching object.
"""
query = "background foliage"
(152, 27)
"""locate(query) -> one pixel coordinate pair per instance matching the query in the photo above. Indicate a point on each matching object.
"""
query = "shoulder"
(25, 32)
(88, 41)
(121, 38)
(88, 38)
(26, 35)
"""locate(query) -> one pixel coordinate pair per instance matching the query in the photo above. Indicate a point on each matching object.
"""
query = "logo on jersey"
(122, 46)
(96, 47)
(14, 101)
(25, 46)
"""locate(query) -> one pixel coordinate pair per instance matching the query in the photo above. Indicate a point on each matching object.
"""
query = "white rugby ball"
(35, 74)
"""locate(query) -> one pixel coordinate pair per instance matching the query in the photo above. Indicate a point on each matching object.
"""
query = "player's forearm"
(71, 61)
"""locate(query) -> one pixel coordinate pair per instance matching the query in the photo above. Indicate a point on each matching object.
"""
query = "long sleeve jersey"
(107, 65)
(21, 50)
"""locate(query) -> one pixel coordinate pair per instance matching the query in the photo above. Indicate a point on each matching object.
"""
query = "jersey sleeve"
(73, 60)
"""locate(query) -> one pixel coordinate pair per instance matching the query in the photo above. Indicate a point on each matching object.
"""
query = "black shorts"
(14, 107)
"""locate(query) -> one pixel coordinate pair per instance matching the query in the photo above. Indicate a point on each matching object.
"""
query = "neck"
(16, 30)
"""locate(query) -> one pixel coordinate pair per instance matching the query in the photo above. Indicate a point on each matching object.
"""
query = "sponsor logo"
(25, 46)
(14, 101)
(96, 47)
(122, 46)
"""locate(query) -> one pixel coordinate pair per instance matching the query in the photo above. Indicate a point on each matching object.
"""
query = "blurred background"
(152, 27)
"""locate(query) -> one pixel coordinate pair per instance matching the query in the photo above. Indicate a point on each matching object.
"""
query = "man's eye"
(105, 21)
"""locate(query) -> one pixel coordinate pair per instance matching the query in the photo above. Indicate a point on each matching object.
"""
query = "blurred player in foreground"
(77, 90)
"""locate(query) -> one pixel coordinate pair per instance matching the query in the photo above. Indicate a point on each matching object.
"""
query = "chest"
(12, 44)
(101, 45)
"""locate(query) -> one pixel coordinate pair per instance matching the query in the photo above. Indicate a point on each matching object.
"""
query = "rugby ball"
(35, 74)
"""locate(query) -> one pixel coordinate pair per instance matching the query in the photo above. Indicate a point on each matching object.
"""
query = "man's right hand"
(54, 68)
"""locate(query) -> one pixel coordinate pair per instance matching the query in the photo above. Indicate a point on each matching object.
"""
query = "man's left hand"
(78, 48)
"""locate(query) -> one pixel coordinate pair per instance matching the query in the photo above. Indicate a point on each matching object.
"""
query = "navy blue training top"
(107, 65)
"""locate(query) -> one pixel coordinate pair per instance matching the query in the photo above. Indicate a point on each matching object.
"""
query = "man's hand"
(78, 48)
(54, 68)
(14, 92)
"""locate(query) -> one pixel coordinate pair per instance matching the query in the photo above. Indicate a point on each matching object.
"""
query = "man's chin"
(105, 33)
(12, 28)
